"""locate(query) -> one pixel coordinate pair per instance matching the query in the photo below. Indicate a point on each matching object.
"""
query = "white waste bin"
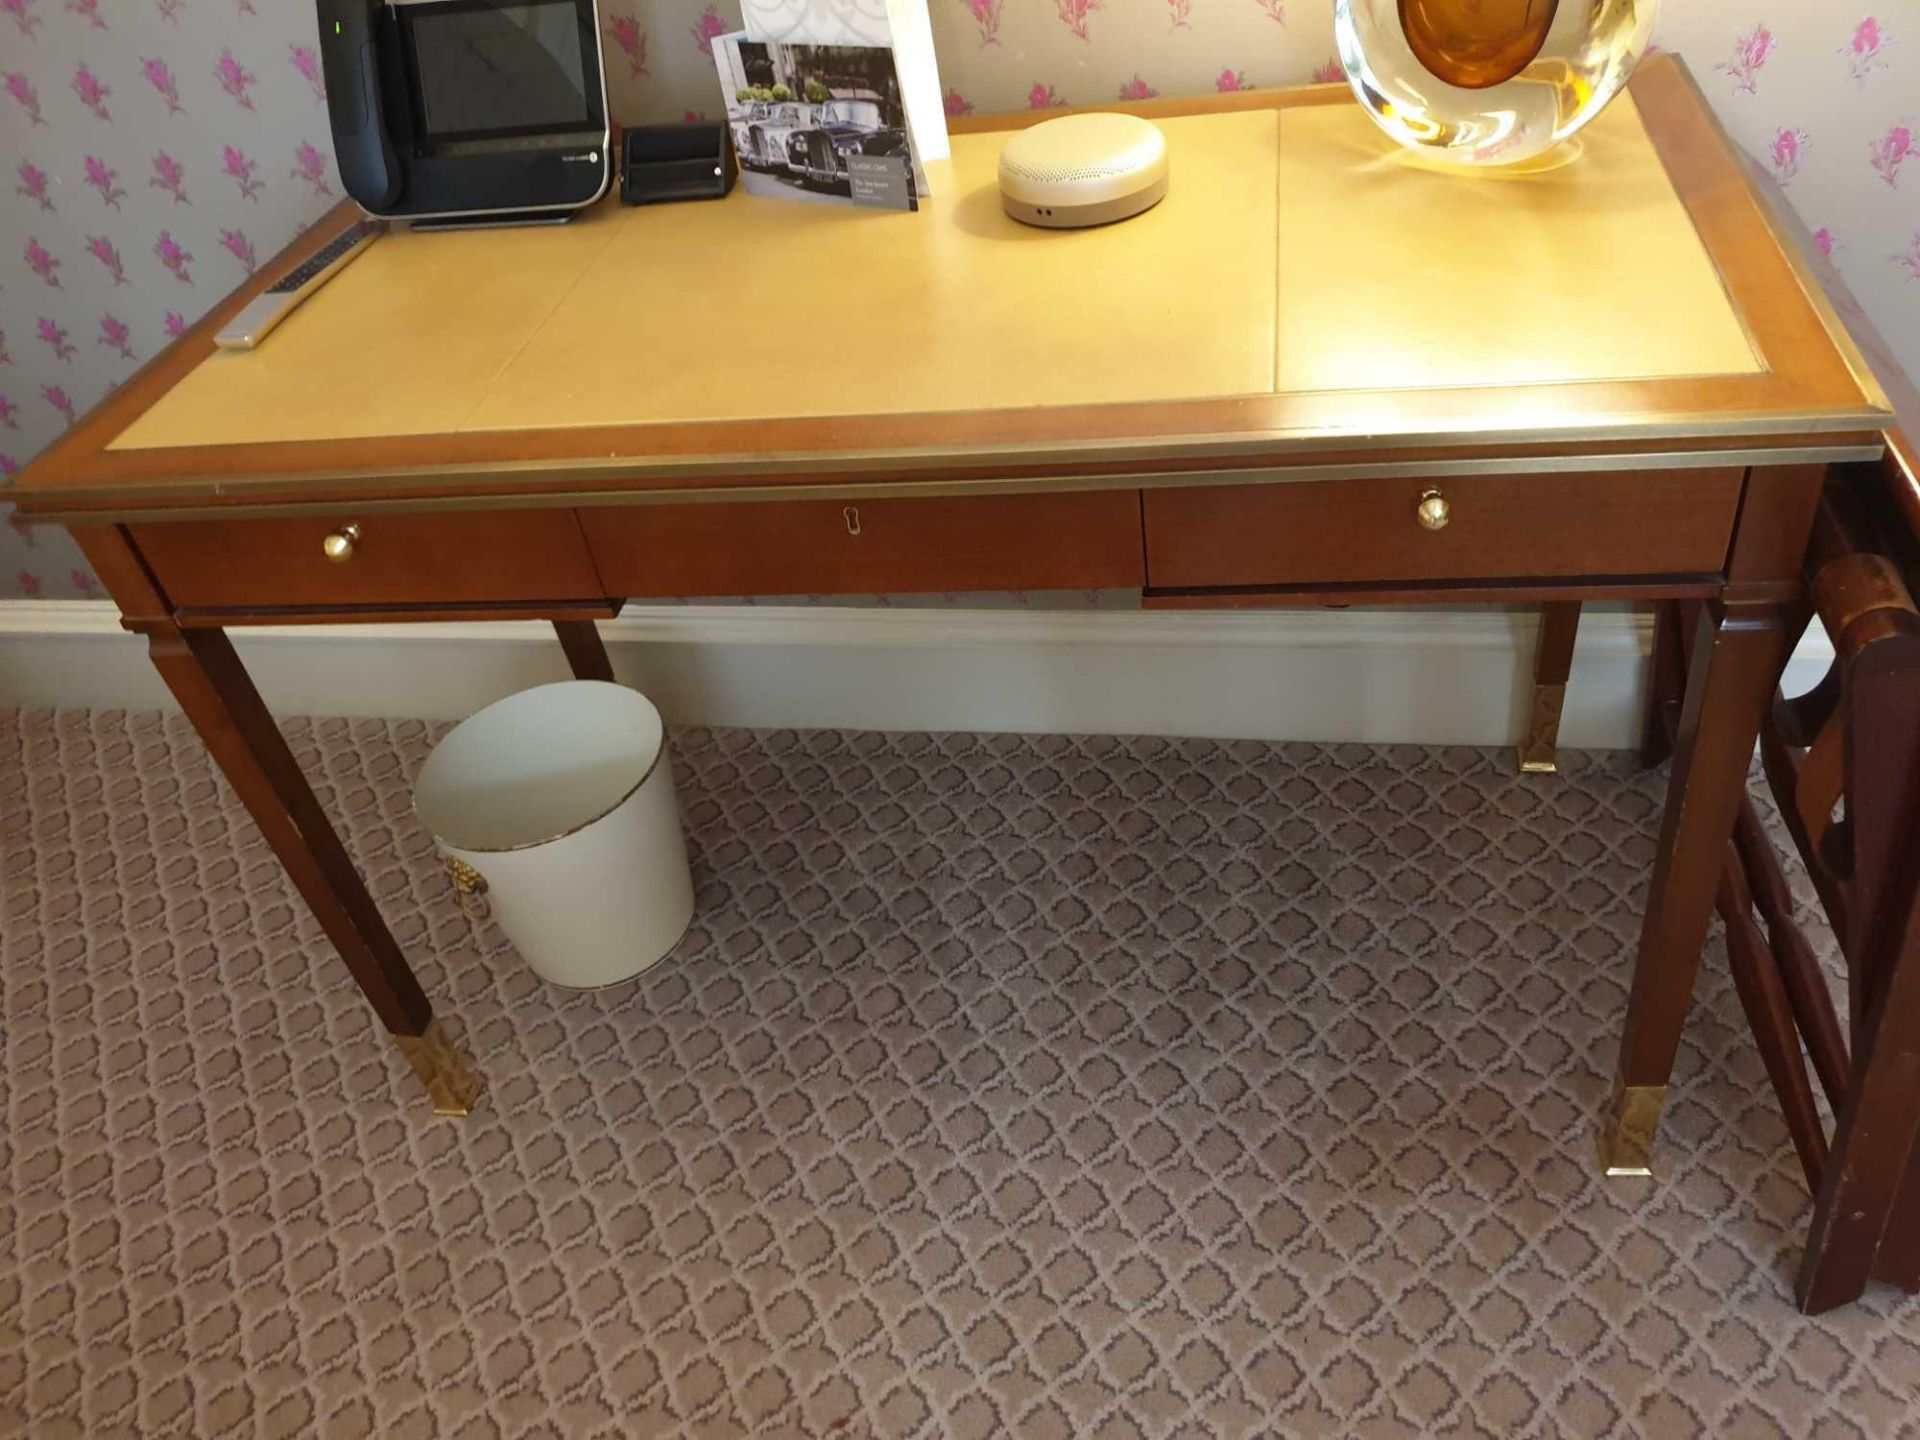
(555, 808)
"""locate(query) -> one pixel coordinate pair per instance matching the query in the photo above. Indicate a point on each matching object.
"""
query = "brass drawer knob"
(1434, 511)
(338, 546)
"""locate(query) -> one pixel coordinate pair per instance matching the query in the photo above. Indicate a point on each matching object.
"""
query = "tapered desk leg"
(1552, 664)
(214, 689)
(586, 651)
(1737, 656)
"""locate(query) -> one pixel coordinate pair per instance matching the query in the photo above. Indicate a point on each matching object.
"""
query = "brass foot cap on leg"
(1539, 753)
(452, 1085)
(1627, 1129)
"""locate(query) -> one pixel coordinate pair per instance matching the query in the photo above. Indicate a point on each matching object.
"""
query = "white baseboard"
(1431, 677)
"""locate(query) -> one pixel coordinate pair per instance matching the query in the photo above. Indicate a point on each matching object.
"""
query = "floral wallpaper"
(152, 152)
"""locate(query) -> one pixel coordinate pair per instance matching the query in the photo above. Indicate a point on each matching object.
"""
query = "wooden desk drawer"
(395, 560)
(1643, 522)
(827, 547)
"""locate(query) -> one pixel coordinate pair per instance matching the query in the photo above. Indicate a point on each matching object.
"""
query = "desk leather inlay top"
(753, 307)
(403, 341)
(1395, 275)
(750, 308)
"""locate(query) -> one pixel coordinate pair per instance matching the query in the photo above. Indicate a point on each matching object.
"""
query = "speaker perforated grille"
(1096, 170)
(1081, 149)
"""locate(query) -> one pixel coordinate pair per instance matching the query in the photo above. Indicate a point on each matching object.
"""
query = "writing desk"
(1317, 373)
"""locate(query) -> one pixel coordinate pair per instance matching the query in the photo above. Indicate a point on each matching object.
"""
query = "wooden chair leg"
(586, 651)
(1778, 982)
(1898, 1262)
(1793, 957)
(1799, 718)
(1866, 1221)
(1756, 979)
(1865, 1215)
(1738, 653)
(213, 687)
(1552, 663)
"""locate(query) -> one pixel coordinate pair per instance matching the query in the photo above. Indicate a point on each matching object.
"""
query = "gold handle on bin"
(339, 544)
(1434, 511)
(471, 886)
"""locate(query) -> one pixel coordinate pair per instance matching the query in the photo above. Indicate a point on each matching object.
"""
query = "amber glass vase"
(1488, 82)
(1476, 43)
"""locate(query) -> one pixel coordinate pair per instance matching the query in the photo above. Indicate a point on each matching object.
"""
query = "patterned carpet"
(1007, 1086)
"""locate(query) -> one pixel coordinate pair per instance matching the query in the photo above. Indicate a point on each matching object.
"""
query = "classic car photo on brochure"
(810, 120)
(853, 125)
(763, 136)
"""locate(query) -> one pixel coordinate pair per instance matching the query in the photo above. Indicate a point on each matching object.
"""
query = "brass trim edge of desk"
(1274, 447)
(1623, 461)
(1277, 448)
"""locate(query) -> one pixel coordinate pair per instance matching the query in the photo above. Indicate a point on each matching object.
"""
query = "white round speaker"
(1083, 170)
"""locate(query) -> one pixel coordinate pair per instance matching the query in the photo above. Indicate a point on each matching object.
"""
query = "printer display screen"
(491, 69)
